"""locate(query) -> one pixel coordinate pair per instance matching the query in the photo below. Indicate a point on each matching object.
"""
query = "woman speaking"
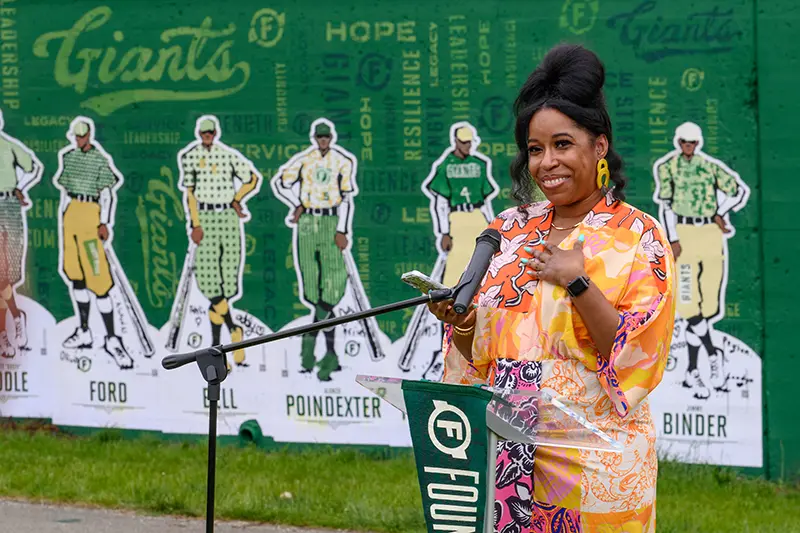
(579, 303)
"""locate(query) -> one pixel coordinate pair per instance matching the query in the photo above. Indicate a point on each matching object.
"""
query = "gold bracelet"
(464, 332)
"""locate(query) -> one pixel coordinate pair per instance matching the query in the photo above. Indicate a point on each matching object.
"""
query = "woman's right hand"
(444, 311)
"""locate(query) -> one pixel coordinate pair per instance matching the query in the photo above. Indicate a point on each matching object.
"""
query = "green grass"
(338, 489)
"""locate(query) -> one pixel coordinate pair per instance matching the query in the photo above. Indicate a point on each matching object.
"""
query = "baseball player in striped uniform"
(19, 171)
(209, 174)
(319, 184)
(696, 192)
(87, 180)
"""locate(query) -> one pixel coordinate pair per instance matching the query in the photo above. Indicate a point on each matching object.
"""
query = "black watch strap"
(577, 286)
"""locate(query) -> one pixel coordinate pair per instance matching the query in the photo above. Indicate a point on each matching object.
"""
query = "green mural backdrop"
(392, 79)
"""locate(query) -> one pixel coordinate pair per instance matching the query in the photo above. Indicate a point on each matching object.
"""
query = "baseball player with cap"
(87, 180)
(209, 170)
(19, 171)
(461, 188)
(318, 183)
(696, 192)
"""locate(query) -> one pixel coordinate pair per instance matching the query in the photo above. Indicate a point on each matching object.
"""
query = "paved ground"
(22, 517)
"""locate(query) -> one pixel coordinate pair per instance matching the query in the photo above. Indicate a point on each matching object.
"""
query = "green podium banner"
(451, 449)
(455, 430)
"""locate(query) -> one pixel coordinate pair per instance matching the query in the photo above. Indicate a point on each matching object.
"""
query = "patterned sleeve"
(242, 168)
(664, 181)
(346, 177)
(646, 318)
(440, 184)
(726, 181)
(290, 173)
(22, 159)
(457, 369)
(106, 177)
(63, 159)
(188, 169)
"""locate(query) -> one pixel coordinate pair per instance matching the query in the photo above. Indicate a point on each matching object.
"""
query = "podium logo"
(449, 430)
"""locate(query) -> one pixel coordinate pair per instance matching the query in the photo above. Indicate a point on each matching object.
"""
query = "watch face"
(578, 286)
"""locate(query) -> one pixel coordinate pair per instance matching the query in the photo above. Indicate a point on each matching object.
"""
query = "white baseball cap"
(689, 131)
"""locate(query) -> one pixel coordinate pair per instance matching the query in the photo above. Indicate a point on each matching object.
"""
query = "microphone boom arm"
(176, 361)
(213, 367)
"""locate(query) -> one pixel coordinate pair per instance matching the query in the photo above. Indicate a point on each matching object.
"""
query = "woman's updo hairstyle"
(569, 79)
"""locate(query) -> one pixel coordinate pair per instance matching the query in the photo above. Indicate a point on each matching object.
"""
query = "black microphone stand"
(214, 370)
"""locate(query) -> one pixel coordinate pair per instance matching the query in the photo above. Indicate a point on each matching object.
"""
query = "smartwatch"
(577, 286)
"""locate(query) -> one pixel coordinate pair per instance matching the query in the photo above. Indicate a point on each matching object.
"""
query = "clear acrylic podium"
(455, 430)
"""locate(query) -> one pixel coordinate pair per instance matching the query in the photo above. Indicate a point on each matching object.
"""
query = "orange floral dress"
(528, 335)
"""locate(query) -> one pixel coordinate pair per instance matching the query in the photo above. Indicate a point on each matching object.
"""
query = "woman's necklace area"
(553, 225)
(567, 228)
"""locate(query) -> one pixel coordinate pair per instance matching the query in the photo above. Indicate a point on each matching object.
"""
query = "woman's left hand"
(557, 266)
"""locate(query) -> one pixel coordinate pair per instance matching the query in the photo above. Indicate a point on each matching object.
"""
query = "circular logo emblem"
(374, 71)
(496, 114)
(322, 175)
(194, 340)
(301, 123)
(381, 213)
(579, 16)
(84, 364)
(692, 79)
(352, 348)
(449, 430)
(266, 27)
(250, 243)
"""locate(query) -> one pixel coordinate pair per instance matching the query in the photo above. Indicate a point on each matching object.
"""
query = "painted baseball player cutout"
(318, 185)
(19, 171)
(88, 179)
(214, 203)
(461, 188)
(696, 193)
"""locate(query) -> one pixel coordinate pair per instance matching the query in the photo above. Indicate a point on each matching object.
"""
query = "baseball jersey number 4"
(465, 194)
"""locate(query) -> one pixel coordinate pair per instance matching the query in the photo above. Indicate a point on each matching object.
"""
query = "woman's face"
(562, 158)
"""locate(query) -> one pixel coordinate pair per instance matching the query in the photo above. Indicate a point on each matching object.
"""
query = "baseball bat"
(370, 326)
(178, 312)
(412, 333)
(133, 310)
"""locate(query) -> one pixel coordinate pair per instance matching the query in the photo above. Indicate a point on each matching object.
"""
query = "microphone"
(486, 245)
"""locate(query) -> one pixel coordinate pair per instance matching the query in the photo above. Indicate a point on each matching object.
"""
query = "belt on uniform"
(467, 208)
(84, 198)
(212, 207)
(9, 194)
(322, 211)
(697, 221)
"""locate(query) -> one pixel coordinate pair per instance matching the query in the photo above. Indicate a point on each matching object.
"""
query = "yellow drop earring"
(603, 175)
